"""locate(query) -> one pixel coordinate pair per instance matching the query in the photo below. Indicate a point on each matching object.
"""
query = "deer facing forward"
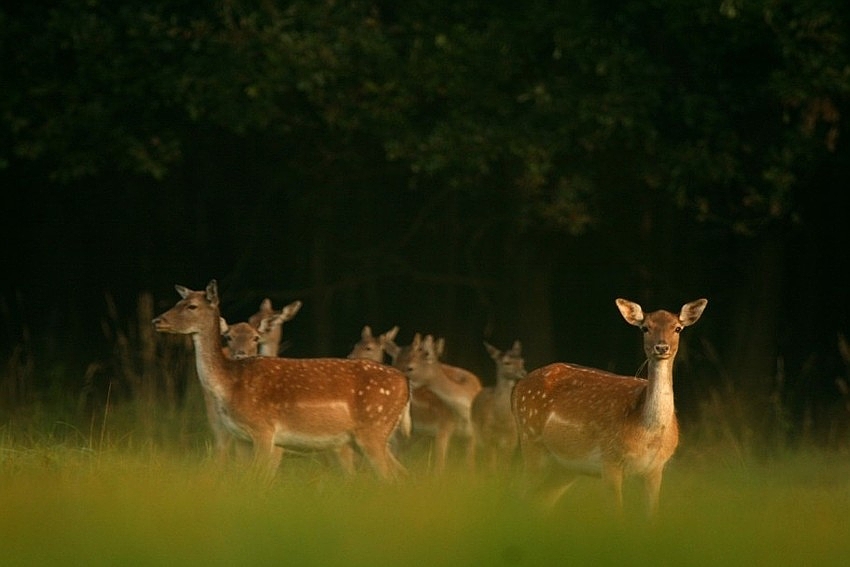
(575, 420)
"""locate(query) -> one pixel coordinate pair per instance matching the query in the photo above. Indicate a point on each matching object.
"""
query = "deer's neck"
(271, 342)
(211, 363)
(503, 387)
(268, 349)
(658, 409)
(450, 392)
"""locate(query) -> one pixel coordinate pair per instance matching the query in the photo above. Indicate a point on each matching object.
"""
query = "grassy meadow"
(120, 492)
(120, 472)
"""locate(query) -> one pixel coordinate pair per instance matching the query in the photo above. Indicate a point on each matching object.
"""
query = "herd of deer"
(567, 420)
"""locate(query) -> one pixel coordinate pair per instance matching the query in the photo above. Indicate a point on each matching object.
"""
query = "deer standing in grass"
(373, 348)
(442, 395)
(260, 336)
(241, 340)
(576, 420)
(279, 403)
(493, 424)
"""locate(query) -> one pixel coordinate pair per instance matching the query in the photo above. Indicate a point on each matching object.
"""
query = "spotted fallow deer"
(374, 348)
(279, 403)
(582, 420)
(241, 340)
(442, 395)
(261, 336)
(371, 347)
(493, 424)
(269, 324)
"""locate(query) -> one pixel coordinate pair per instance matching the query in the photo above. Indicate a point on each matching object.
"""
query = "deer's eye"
(644, 328)
(678, 329)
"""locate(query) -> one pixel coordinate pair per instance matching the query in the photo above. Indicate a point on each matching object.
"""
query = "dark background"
(474, 170)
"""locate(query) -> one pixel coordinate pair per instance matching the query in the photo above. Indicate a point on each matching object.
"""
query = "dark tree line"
(478, 170)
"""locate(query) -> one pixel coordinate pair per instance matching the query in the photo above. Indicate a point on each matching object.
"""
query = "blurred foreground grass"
(71, 500)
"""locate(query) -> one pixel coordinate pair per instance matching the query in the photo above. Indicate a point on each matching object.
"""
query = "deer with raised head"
(260, 336)
(442, 395)
(277, 403)
(493, 424)
(374, 348)
(269, 324)
(575, 420)
(241, 340)
(371, 347)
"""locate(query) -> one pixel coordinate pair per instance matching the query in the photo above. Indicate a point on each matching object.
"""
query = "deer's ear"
(391, 334)
(212, 292)
(692, 311)
(631, 312)
(492, 351)
(290, 310)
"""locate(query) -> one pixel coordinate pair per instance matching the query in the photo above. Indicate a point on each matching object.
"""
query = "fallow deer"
(493, 423)
(576, 420)
(241, 340)
(374, 348)
(279, 403)
(442, 395)
(269, 323)
(261, 336)
(371, 347)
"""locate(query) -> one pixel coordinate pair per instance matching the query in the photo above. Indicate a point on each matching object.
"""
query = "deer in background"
(493, 424)
(371, 347)
(279, 403)
(575, 420)
(261, 335)
(241, 340)
(442, 394)
(269, 324)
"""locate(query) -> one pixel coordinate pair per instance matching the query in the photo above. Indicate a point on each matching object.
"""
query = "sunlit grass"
(120, 498)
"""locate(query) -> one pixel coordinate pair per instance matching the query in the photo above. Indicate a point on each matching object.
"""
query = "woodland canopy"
(478, 170)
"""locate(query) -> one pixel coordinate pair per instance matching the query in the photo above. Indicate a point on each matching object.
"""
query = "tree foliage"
(463, 137)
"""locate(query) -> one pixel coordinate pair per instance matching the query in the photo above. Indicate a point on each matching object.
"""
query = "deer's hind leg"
(375, 445)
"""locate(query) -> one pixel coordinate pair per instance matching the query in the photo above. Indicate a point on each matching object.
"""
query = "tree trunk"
(533, 288)
(755, 334)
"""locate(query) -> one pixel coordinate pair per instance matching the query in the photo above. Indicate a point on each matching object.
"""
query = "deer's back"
(291, 380)
(581, 395)
(467, 380)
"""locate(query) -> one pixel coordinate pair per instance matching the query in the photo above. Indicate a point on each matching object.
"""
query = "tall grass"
(149, 505)
(123, 474)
